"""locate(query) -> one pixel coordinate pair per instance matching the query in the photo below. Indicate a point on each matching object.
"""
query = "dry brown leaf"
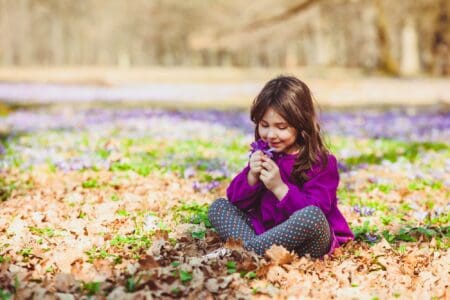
(64, 282)
(212, 285)
(234, 244)
(279, 255)
(156, 247)
(103, 266)
(148, 262)
(277, 274)
(262, 271)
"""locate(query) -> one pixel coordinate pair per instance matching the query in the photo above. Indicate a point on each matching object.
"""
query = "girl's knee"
(217, 205)
(310, 217)
(307, 211)
(313, 210)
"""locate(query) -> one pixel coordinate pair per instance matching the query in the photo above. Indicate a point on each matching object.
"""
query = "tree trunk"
(410, 61)
(387, 61)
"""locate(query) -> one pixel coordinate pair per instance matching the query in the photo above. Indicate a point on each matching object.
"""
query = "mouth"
(274, 145)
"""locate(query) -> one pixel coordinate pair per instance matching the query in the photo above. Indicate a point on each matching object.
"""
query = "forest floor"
(112, 204)
(213, 87)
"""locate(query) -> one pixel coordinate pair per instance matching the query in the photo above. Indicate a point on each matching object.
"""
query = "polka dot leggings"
(306, 230)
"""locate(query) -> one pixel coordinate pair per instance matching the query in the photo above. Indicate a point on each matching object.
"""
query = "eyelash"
(281, 128)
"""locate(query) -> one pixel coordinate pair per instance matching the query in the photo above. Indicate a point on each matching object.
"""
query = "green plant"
(193, 213)
(413, 233)
(46, 231)
(91, 288)
(5, 259)
(6, 188)
(26, 252)
(185, 276)
(101, 253)
(5, 295)
(175, 264)
(386, 219)
(90, 183)
(366, 232)
(231, 267)
(200, 234)
(122, 213)
(136, 243)
(132, 283)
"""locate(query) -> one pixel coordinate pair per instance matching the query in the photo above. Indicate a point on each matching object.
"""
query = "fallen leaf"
(279, 255)
(64, 282)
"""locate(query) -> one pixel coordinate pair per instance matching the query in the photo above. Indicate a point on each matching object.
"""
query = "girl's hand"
(255, 167)
(270, 176)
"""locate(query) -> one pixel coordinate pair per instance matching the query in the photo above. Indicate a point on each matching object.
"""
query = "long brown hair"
(292, 100)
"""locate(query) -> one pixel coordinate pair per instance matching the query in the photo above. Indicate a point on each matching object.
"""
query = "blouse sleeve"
(319, 190)
(240, 193)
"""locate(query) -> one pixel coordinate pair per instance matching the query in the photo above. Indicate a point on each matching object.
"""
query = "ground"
(214, 87)
(112, 203)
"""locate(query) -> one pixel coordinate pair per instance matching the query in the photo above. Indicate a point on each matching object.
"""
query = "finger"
(266, 158)
(270, 162)
(257, 153)
(264, 173)
(256, 157)
(267, 166)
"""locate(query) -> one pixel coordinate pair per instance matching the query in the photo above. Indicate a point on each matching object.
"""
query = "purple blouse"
(266, 211)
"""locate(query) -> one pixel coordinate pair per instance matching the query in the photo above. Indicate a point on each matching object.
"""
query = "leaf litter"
(126, 234)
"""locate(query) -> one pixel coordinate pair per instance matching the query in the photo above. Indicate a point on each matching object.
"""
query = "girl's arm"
(241, 193)
(320, 191)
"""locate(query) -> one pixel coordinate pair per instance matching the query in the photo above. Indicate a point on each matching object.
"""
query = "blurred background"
(351, 52)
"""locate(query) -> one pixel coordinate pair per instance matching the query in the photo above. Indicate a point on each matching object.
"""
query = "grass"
(6, 188)
(45, 232)
(193, 213)
(91, 288)
(371, 234)
(91, 183)
(374, 151)
(102, 253)
(399, 204)
(5, 295)
(134, 243)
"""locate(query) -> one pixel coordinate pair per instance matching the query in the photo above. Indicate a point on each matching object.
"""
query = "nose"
(271, 134)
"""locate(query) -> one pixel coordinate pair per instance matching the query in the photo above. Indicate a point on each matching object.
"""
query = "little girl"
(287, 194)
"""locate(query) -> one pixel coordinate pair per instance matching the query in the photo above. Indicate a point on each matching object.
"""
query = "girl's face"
(274, 130)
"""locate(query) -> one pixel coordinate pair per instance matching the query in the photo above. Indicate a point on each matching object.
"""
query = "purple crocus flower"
(364, 210)
(263, 146)
(372, 238)
(189, 172)
(196, 186)
(205, 187)
(212, 185)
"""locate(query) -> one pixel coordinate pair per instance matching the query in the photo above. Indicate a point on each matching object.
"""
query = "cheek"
(262, 132)
(289, 136)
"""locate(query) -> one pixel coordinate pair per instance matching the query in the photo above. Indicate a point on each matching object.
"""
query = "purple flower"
(212, 185)
(196, 186)
(263, 146)
(364, 210)
(189, 172)
(205, 187)
(342, 167)
(372, 238)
